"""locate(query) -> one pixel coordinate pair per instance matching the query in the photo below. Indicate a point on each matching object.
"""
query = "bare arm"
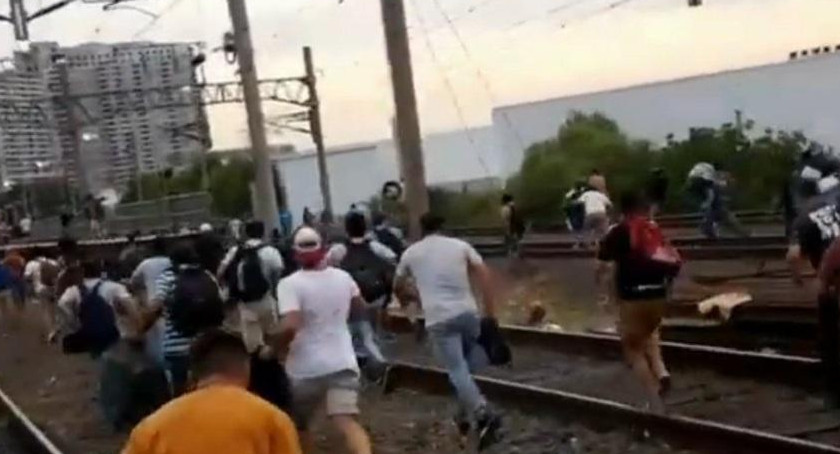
(290, 324)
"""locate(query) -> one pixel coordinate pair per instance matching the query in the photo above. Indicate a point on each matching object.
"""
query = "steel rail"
(684, 431)
(32, 438)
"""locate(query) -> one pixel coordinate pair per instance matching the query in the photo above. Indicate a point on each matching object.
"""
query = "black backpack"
(98, 330)
(195, 303)
(387, 237)
(254, 284)
(372, 274)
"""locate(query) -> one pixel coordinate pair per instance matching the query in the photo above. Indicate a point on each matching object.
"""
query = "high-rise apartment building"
(28, 140)
(116, 109)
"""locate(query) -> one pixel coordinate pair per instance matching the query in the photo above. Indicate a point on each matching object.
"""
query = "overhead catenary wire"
(459, 110)
(153, 23)
(485, 82)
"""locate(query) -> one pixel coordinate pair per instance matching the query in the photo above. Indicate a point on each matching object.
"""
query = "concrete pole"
(407, 122)
(266, 202)
(317, 134)
(17, 12)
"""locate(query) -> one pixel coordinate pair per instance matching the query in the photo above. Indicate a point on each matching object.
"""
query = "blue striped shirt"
(174, 343)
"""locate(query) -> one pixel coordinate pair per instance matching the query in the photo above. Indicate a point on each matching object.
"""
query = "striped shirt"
(174, 343)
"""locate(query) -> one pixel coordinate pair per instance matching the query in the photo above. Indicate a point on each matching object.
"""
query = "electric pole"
(317, 134)
(266, 209)
(405, 105)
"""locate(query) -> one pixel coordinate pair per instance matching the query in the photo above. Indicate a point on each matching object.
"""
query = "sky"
(468, 55)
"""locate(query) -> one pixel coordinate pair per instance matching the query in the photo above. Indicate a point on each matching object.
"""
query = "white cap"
(204, 228)
(307, 239)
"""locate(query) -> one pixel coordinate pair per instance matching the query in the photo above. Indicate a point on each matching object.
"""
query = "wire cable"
(152, 23)
(485, 82)
(450, 88)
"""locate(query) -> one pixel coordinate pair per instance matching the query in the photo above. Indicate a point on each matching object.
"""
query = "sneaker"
(488, 431)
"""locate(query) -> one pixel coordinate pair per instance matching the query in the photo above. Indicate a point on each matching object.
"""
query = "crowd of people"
(202, 347)
(235, 343)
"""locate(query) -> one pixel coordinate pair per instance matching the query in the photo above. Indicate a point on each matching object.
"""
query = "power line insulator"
(229, 47)
(695, 3)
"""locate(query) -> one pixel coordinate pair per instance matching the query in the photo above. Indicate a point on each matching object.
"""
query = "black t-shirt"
(817, 228)
(632, 280)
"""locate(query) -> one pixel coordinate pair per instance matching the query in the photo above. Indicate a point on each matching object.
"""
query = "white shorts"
(339, 391)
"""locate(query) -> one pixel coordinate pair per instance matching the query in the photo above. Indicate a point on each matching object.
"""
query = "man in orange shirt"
(12, 293)
(220, 416)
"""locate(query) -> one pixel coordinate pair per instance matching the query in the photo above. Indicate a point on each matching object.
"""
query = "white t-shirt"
(32, 272)
(110, 291)
(148, 271)
(323, 344)
(271, 263)
(595, 202)
(439, 267)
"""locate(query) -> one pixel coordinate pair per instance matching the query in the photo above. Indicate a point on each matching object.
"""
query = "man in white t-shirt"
(257, 314)
(126, 313)
(41, 273)
(441, 268)
(314, 304)
(596, 206)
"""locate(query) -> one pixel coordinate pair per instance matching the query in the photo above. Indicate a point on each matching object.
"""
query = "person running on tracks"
(220, 416)
(597, 207)
(250, 271)
(816, 227)
(315, 303)
(142, 284)
(41, 273)
(371, 264)
(645, 265)
(514, 225)
(188, 300)
(441, 268)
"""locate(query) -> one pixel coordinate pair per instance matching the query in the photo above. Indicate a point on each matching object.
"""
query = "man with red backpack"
(645, 265)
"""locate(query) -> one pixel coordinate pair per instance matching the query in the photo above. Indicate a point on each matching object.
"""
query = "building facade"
(27, 139)
(796, 95)
(118, 110)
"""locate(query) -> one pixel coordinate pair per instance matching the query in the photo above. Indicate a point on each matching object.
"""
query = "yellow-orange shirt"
(217, 419)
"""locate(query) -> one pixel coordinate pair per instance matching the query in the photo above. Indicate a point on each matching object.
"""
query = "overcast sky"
(495, 52)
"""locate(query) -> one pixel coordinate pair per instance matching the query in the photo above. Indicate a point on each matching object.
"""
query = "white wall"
(797, 95)
(358, 172)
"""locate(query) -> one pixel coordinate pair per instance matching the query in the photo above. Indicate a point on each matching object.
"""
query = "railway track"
(18, 434)
(668, 433)
(772, 394)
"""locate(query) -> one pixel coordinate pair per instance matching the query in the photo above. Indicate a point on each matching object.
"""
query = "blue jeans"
(364, 340)
(455, 346)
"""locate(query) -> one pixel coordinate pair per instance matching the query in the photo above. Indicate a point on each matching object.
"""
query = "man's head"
(633, 204)
(158, 246)
(219, 355)
(355, 224)
(506, 199)
(92, 268)
(308, 247)
(595, 172)
(255, 230)
(431, 223)
(183, 254)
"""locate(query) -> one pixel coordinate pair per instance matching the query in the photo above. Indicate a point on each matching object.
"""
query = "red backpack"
(651, 250)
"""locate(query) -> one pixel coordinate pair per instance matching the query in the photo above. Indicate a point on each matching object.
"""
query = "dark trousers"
(829, 344)
(178, 367)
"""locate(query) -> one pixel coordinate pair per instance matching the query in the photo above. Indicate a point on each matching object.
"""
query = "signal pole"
(266, 209)
(317, 134)
(409, 145)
